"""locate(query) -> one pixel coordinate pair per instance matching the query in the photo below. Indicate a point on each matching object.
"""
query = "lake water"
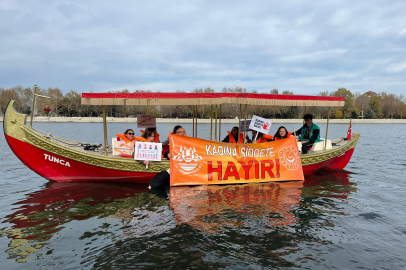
(352, 219)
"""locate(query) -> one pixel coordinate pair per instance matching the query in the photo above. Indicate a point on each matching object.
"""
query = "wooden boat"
(58, 159)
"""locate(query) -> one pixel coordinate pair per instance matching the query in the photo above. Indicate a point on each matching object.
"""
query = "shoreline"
(203, 121)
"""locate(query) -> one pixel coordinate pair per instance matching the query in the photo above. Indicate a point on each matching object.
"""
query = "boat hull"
(58, 168)
(56, 162)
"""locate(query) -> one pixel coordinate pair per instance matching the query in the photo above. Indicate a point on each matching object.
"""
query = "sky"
(302, 46)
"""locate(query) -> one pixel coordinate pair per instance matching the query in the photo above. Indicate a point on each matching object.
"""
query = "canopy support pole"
(239, 123)
(211, 122)
(193, 123)
(215, 125)
(220, 124)
(196, 121)
(328, 118)
(105, 129)
(33, 104)
(245, 123)
(304, 113)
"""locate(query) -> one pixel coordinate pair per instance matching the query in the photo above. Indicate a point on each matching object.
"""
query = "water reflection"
(329, 184)
(213, 209)
(43, 213)
(273, 225)
(265, 225)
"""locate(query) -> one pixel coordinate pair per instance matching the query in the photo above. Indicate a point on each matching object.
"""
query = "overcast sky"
(302, 46)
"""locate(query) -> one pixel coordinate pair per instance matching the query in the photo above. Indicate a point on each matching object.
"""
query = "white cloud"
(396, 68)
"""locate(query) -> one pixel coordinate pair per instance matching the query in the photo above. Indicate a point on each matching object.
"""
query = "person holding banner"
(282, 133)
(162, 179)
(309, 133)
(232, 136)
(178, 130)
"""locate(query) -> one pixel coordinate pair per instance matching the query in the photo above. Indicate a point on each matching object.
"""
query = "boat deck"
(90, 148)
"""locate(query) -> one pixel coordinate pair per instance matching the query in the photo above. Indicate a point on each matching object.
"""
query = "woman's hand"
(169, 155)
(146, 162)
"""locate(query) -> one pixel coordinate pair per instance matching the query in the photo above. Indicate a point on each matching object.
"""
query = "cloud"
(180, 45)
(396, 68)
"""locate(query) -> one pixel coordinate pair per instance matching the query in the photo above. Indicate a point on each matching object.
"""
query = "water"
(334, 220)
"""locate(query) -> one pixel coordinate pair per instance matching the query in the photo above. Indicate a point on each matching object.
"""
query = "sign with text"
(146, 120)
(247, 126)
(202, 162)
(147, 151)
(122, 148)
(260, 124)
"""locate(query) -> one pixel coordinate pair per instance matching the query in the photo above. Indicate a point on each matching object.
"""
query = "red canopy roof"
(148, 98)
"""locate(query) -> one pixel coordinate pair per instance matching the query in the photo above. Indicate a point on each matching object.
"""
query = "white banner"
(260, 124)
(146, 120)
(147, 151)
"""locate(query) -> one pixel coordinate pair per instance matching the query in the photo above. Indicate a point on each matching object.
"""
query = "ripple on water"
(370, 215)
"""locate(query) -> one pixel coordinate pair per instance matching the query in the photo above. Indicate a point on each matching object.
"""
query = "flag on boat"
(202, 162)
(349, 133)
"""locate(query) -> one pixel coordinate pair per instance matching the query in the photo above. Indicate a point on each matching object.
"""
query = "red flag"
(349, 133)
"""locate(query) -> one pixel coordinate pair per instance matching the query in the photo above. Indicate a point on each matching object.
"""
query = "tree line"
(369, 105)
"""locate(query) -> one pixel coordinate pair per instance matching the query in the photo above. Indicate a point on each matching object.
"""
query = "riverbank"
(204, 121)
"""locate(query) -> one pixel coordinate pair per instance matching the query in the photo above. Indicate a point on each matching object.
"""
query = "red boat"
(58, 159)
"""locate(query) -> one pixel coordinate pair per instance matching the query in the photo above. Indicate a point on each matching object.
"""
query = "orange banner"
(202, 162)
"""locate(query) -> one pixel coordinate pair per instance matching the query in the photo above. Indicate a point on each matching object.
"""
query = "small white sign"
(146, 120)
(260, 124)
(147, 151)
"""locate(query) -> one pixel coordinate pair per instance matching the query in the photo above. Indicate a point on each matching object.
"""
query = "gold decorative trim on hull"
(324, 156)
(114, 163)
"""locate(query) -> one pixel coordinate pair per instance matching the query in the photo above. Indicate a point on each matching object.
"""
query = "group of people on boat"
(232, 136)
(149, 135)
(308, 134)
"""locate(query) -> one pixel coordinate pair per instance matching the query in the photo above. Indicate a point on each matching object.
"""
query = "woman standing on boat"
(309, 133)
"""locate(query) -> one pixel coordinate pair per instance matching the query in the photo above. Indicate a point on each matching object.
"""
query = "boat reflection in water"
(270, 220)
(213, 209)
(43, 213)
(333, 184)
